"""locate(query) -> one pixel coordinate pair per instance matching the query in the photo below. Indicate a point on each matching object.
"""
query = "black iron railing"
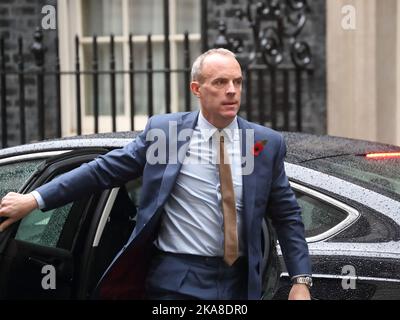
(40, 73)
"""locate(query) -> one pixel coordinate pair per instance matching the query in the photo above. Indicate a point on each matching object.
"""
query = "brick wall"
(19, 18)
(314, 99)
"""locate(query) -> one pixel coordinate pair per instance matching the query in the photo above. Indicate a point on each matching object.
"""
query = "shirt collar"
(208, 130)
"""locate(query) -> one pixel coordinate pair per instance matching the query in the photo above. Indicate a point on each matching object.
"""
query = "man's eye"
(219, 82)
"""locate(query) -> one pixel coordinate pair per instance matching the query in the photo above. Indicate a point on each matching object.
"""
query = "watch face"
(303, 280)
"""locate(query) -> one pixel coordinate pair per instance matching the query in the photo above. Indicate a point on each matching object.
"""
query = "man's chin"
(230, 114)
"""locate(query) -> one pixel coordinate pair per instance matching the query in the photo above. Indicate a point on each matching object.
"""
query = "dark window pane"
(318, 216)
(141, 79)
(102, 17)
(194, 51)
(188, 16)
(146, 17)
(104, 79)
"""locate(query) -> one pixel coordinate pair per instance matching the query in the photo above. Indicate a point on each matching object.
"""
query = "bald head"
(197, 67)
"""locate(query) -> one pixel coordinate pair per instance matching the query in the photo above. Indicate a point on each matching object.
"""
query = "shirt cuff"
(39, 199)
(300, 275)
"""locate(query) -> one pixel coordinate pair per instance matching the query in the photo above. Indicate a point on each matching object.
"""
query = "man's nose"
(230, 88)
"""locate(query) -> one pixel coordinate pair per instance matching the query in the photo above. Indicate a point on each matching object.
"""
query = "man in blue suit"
(179, 238)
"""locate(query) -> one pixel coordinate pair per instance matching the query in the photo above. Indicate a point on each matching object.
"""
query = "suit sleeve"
(286, 218)
(106, 171)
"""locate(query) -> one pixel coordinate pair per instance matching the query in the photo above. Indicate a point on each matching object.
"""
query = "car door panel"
(36, 272)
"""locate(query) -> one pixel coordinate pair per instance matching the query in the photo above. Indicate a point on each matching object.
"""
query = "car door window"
(43, 228)
(57, 227)
(14, 175)
(318, 216)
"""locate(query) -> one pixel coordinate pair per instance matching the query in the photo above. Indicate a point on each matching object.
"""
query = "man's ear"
(195, 88)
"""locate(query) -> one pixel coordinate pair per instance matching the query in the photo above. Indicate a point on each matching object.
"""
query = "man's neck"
(217, 124)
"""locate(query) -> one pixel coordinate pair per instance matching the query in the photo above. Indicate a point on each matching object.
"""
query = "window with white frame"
(139, 18)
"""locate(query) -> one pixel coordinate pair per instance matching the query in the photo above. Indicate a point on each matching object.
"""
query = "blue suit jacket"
(265, 192)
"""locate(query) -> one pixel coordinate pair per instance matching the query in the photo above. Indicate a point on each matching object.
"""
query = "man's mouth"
(229, 103)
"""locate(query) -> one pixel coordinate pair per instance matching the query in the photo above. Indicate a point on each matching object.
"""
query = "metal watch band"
(303, 280)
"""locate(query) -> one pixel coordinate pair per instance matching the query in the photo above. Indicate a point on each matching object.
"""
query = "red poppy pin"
(259, 147)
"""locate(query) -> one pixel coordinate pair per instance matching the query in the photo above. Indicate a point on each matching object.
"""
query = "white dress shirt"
(193, 219)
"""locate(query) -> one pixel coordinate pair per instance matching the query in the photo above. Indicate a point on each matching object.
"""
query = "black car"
(349, 191)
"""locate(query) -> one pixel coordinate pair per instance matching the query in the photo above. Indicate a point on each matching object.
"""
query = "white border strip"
(104, 216)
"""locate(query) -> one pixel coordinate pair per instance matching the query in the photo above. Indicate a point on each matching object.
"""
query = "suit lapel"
(188, 121)
(249, 180)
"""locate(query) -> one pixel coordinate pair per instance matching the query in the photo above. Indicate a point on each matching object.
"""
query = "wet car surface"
(360, 257)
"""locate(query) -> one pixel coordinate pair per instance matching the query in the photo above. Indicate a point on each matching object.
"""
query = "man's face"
(219, 89)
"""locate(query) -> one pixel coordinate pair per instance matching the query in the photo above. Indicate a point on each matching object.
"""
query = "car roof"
(101, 140)
(301, 147)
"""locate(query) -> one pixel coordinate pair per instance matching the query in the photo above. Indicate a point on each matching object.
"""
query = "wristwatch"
(307, 280)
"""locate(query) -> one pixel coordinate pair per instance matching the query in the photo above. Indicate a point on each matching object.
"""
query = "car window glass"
(46, 228)
(14, 175)
(43, 228)
(318, 216)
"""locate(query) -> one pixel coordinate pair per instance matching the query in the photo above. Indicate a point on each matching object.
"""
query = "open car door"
(39, 254)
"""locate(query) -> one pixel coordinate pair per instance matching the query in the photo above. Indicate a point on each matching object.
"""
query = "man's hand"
(299, 292)
(16, 206)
